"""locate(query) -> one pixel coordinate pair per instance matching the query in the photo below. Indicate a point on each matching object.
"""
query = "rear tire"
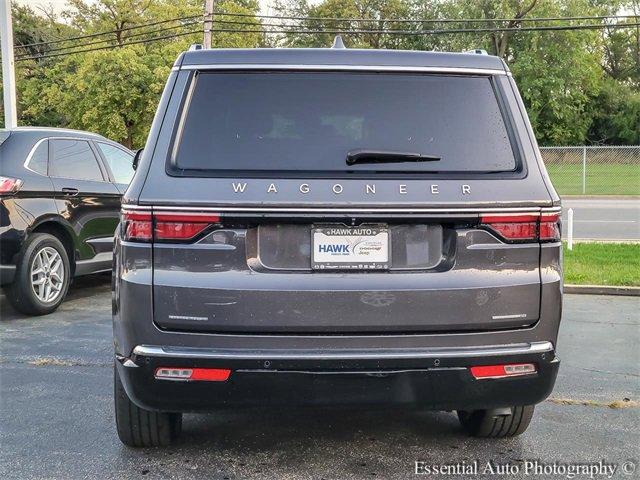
(42, 276)
(138, 427)
(492, 424)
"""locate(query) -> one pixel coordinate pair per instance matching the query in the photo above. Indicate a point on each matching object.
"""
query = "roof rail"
(195, 46)
(477, 51)
(338, 43)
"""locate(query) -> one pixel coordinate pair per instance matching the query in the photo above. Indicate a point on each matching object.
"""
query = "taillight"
(525, 227)
(550, 227)
(174, 226)
(147, 227)
(502, 371)
(138, 226)
(9, 185)
(193, 374)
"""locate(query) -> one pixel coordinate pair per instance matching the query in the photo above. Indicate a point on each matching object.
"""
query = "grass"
(602, 264)
(602, 179)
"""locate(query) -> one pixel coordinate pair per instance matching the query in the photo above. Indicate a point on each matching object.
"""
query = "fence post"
(570, 229)
(584, 169)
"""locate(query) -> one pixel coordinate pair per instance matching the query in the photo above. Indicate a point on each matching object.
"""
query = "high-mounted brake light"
(502, 371)
(524, 227)
(147, 227)
(9, 185)
(193, 374)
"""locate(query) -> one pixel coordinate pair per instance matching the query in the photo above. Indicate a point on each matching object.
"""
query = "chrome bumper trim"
(221, 354)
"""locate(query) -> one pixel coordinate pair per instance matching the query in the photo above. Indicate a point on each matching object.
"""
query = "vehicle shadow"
(261, 428)
(339, 442)
(81, 288)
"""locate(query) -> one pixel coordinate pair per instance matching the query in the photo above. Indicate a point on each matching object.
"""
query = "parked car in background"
(60, 194)
(337, 226)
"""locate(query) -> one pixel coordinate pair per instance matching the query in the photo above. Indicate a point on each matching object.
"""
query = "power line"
(460, 30)
(97, 42)
(148, 40)
(333, 19)
(110, 32)
(442, 20)
(350, 32)
(435, 31)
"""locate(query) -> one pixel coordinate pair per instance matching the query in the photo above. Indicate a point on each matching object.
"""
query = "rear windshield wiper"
(386, 156)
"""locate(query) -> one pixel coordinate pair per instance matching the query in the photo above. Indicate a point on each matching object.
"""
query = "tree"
(375, 11)
(115, 91)
(106, 92)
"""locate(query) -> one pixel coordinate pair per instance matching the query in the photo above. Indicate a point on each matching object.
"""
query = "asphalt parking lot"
(57, 421)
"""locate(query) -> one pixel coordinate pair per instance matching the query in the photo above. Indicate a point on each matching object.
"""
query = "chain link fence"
(594, 170)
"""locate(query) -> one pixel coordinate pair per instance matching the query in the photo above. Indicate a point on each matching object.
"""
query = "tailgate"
(255, 274)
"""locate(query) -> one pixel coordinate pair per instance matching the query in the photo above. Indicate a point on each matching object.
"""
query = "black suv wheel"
(138, 427)
(496, 423)
(42, 276)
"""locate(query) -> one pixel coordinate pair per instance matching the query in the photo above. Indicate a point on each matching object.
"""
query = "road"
(57, 422)
(603, 219)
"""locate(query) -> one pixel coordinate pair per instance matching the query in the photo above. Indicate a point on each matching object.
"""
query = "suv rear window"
(310, 121)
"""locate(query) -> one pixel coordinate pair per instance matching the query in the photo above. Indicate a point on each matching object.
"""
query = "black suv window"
(38, 161)
(303, 121)
(73, 159)
(120, 162)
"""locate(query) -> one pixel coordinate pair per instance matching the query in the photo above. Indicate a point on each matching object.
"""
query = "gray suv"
(333, 226)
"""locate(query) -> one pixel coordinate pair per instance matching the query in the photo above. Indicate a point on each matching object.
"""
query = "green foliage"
(559, 99)
(107, 92)
(616, 114)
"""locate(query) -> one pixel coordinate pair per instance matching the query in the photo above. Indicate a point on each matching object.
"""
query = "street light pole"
(8, 73)
(208, 23)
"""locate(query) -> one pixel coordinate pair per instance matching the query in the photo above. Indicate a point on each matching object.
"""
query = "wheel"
(42, 275)
(498, 423)
(138, 427)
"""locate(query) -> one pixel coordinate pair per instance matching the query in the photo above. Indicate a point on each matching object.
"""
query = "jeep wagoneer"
(335, 226)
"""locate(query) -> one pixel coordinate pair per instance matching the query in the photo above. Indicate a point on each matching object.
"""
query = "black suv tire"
(21, 293)
(494, 424)
(138, 427)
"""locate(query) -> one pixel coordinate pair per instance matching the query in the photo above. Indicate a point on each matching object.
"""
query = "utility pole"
(208, 22)
(8, 73)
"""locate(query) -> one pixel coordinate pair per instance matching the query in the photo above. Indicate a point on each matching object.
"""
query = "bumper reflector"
(193, 374)
(502, 371)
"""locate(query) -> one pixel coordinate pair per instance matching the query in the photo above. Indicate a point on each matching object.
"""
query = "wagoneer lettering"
(317, 227)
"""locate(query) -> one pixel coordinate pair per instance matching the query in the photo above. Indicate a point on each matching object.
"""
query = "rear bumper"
(437, 378)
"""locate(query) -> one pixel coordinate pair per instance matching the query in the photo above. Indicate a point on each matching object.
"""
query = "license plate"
(350, 248)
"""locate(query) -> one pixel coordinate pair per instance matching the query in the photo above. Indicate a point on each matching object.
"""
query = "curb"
(602, 290)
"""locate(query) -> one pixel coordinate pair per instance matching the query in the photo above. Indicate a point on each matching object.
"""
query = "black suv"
(337, 226)
(60, 193)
